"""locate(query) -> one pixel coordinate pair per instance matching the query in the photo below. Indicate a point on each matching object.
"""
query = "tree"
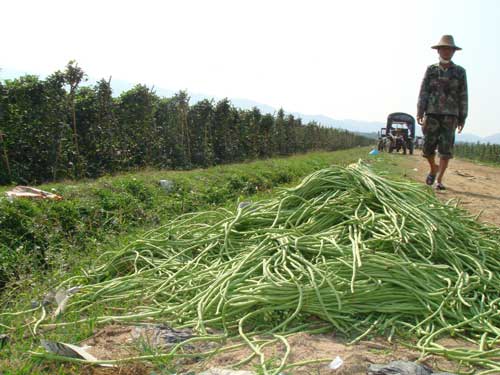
(73, 75)
(201, 124)
(280, 135)
(222, 128)
(173, 131)
(137, 127)
(5, 173)
(107, 138)
(267, 129)
(182, 155)
(34, 124)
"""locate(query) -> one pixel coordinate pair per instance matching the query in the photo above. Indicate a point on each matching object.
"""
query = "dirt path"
(476, 186)
(117, 341)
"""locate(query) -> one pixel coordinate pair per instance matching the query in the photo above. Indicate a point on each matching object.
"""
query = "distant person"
(442, 108)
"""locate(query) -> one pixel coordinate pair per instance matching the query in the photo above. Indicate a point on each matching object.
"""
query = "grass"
(44, 242)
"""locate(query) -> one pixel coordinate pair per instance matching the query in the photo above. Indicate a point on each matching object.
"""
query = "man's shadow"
(476, 195)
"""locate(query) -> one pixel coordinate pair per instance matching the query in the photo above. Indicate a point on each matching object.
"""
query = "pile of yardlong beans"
(364, 254)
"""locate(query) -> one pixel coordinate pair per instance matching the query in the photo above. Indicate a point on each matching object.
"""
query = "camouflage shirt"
(444, 92)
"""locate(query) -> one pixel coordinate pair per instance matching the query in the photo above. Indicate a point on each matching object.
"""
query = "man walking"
(442, 108)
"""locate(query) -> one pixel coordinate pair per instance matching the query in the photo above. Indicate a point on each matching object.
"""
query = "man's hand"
(460, 127)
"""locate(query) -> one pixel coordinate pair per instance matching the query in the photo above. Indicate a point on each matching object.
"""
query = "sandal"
(440, 186)
(430, 179)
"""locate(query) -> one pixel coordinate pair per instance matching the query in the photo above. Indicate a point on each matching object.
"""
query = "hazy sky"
(344, 59)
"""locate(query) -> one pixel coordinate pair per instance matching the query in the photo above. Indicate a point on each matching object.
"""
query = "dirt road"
(477, 186)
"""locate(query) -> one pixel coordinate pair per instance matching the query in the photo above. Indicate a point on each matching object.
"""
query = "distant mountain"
(249, 104)
(348, 124)
(368, 135)
(467, 137)
(369, 128)
(495, 138)
(472, 138)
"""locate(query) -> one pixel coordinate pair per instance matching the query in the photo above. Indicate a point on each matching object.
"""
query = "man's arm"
(463, 103)
(423, 98)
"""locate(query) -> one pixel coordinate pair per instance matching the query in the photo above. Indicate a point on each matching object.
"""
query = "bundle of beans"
(361, 253)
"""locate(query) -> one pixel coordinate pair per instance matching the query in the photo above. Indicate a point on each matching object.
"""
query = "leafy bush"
(55, 128)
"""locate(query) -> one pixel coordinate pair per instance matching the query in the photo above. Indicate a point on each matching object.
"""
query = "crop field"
(489, 153)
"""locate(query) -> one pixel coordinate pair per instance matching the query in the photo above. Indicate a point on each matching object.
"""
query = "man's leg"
(430, 131)
(443, 164)
(434, 168)
(445, 146)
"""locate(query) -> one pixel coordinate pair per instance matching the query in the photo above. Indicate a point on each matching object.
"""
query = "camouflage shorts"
(439, 132)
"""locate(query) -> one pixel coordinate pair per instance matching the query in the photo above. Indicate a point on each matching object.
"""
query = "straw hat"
(447, 41)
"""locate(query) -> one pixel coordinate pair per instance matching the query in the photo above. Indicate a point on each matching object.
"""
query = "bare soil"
(119, 342)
